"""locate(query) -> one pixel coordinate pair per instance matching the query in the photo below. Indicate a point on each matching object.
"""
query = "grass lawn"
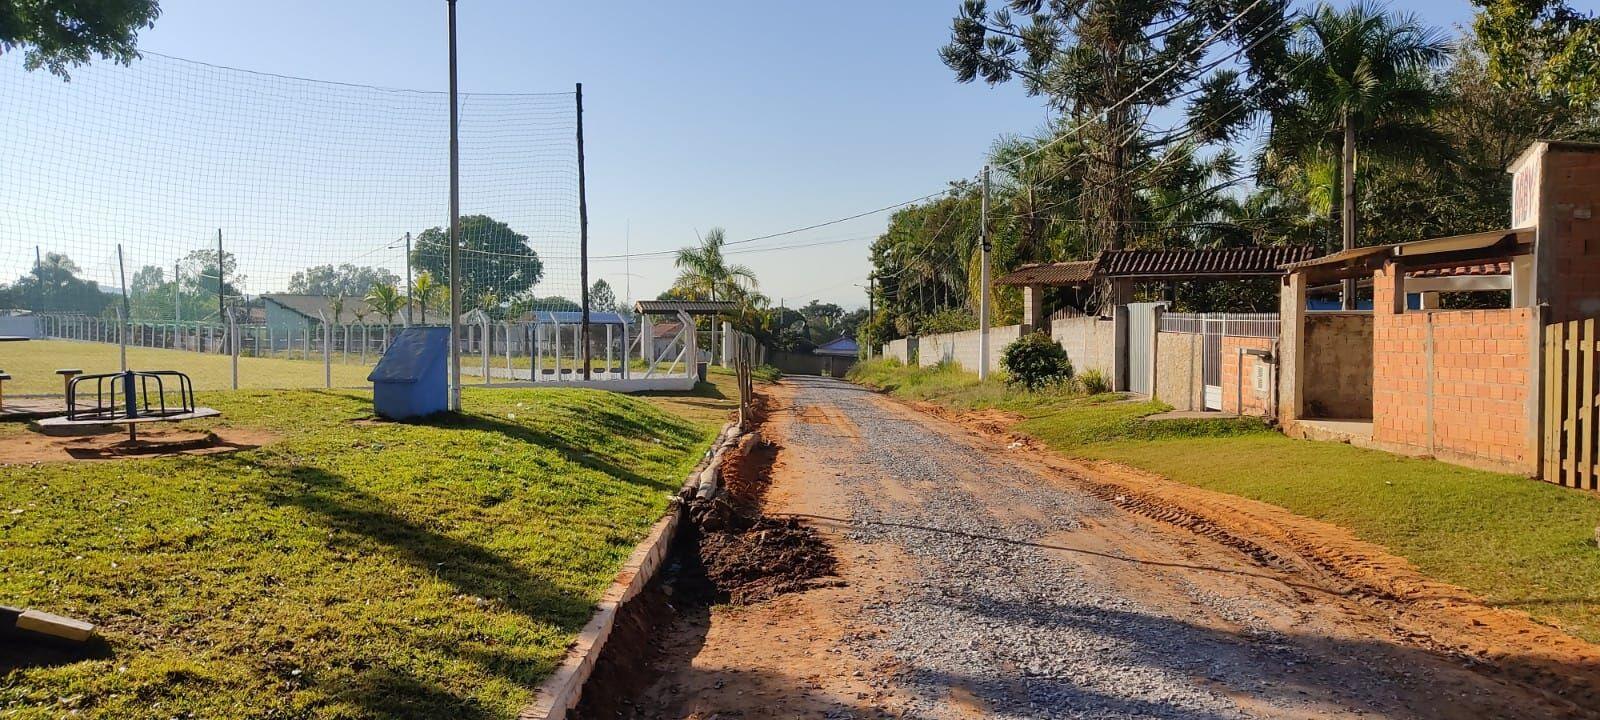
(33, 365)
(1516, 542)
(353, 568)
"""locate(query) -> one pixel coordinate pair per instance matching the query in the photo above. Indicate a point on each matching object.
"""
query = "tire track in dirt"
(1426, 613)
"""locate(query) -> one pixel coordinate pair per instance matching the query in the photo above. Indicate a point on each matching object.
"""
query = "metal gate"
(1141, 345)
(1212, 329)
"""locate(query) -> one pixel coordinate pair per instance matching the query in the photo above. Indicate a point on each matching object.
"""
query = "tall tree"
(56, 34)
(1543, 47)
(1361, 79)
(704, 272)
(494, 258)
(346, 279)
(54, 286)
(601, 297)
(1109, 65)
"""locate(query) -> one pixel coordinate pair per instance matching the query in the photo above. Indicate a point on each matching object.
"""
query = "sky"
(755, 117)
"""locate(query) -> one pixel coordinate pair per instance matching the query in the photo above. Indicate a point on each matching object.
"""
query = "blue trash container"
(412, 378)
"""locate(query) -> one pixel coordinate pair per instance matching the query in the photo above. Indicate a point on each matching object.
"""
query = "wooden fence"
(744, 352)
(1569, 404)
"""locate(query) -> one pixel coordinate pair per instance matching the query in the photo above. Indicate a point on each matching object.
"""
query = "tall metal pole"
(127, 311)
(177, 299)
(455, 227)
(38, 260)
(872, 309)
(983, 283)
(220, 275)
(410, 288)
(583, 236)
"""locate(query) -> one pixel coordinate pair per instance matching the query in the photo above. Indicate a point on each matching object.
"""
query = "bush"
(948, 321)
(1093, 382)
(1035, 361)
(766, 373)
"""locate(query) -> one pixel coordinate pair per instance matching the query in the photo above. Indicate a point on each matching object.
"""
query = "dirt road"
(982, 580)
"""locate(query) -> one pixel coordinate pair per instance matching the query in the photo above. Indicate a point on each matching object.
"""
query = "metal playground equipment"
(131, 398)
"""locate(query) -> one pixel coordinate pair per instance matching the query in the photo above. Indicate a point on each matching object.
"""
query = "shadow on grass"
(18, 652)
(571, 449)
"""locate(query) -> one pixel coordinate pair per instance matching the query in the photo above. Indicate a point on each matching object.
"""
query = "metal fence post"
(233, 342)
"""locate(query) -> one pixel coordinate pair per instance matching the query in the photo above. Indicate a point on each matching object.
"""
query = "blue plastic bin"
(412, 378)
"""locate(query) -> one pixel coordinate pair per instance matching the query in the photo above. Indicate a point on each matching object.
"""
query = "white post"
(233, 342)
(609, 361)
(627, 347)
(557, 333)
(511, 375)
(327, 350)
(483, 347)
(983, 282)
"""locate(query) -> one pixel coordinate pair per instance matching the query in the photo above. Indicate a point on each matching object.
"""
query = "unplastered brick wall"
(1256, 396)
(963, 347)
(1569, 225)
(1452, 383)
(1091, 343)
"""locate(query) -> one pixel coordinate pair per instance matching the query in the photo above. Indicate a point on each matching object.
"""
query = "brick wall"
(1453, 384)
(1570, 226)
(1336, 380)
(1256, 402)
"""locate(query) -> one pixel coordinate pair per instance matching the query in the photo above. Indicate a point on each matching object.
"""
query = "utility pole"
(983, 282)
(122, 327)
(583, 236)
(872, 309)
(177, 294)
(455, 227)
(38, 260)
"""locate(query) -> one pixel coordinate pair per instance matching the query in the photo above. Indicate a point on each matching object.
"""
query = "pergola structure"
(1116, 272)
(686, 340)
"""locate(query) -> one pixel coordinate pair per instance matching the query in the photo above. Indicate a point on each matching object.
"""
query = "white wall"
(1091, 343)
(963, 347)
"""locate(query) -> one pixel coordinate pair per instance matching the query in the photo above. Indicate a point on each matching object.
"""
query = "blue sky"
(758, 117)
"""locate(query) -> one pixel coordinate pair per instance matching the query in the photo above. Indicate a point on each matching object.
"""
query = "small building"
(1487, 383)
(286, 312)
(839, 347)
(1115, 274)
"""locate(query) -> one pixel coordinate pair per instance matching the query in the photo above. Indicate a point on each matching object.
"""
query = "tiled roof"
(1220, 262)
(1489, 268)
(1059, 273)
(693, 307)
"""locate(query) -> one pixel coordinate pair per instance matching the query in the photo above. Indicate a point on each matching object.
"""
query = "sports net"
(283, 206)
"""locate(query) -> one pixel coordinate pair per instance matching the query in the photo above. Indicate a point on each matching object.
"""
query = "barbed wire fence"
(281, 218)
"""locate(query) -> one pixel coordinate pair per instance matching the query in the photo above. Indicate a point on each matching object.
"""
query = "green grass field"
(353, 568)
(33, 364)
(1516, 542)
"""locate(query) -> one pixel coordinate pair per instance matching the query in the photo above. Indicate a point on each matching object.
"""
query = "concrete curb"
(561, 692)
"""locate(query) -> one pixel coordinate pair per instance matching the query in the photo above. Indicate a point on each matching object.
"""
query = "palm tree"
(423, 288)
(1360, 76)
(336, 305)
(385, 300)
(704, 272)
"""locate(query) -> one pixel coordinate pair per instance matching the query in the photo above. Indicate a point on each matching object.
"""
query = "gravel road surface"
(980, 584)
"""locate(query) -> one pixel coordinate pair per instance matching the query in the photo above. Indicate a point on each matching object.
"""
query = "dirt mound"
(747, 558)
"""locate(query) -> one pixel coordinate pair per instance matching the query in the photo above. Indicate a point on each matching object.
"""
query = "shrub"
(766, 373)
(948, 321)
(1035, 361)
(1093, 382)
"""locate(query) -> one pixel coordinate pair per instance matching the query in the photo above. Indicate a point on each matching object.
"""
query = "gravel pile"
(994, 617)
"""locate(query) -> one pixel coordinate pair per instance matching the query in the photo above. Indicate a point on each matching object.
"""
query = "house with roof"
(286, 312)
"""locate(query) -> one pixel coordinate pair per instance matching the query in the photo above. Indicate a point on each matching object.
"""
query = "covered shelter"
(1116, 273)
(686, 341)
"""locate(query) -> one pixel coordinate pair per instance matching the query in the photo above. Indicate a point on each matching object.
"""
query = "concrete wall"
(901, 349)
(1091, 343)
(1178, 370)
(1453, 384)
(962, 347)
(1337, 375)
(19, 326)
